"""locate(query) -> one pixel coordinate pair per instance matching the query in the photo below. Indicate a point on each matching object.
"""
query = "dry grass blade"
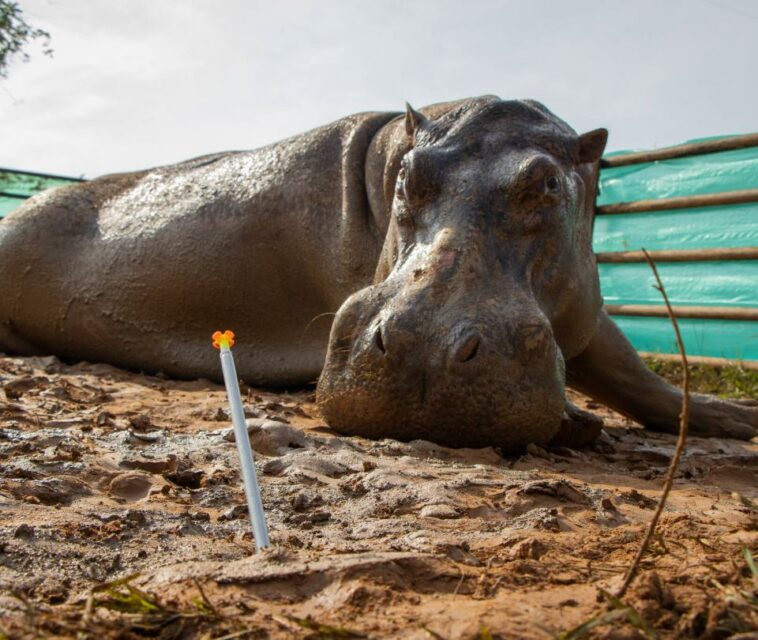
(740, 619)
(236, 634)
(634, 618)
(126, 598)
(143, 613)
(751, 564)
(325, 631)
(485, 634)
(583, 630)
(684, 418)
(619, 612)
(204, 605)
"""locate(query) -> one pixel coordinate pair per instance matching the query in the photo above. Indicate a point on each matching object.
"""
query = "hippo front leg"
(578, 428)
(609, 370)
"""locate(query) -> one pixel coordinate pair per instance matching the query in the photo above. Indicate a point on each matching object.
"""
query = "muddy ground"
(105, 474)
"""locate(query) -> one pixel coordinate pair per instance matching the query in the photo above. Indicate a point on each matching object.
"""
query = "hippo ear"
(592, 145)
(413, 121)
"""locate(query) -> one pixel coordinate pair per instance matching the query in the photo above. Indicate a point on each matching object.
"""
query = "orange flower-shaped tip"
(225, 339)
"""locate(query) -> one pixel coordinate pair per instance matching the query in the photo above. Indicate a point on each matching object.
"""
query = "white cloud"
(139, 83)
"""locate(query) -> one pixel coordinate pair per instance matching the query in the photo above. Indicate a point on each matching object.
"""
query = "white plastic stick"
(252, 490)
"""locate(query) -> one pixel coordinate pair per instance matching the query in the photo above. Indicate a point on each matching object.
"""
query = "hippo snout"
(392, 342)
(462, 378)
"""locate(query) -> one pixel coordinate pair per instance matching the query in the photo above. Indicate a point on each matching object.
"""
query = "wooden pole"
(706, 360)
(681, 255)
(36, 174)
(659, 311)
(682, 150)
(684, 202)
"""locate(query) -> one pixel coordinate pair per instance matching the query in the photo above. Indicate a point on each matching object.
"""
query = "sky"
(139, 83)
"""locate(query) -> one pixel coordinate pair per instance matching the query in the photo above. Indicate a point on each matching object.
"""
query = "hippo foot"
(715, 418)
(579, 428)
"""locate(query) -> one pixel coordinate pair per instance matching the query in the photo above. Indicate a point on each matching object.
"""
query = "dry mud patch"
(105, 474)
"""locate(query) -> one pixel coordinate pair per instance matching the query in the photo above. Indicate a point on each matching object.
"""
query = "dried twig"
(211, 608)
(86, 617)
(684, 418)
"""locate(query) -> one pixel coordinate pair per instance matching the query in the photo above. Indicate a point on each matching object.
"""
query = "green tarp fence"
(17, 186)
(727, 283)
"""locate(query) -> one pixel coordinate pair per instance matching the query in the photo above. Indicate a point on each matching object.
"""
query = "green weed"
(732, 381)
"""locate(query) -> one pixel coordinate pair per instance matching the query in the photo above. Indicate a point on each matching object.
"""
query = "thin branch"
(206, 600)
(684, 418)
(86, 617)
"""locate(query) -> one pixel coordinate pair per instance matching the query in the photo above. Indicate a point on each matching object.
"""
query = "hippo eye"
(400, 184)
(552, 184)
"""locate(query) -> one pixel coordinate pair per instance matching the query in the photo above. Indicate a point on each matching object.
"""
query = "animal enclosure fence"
(694, 207)
(17, 186)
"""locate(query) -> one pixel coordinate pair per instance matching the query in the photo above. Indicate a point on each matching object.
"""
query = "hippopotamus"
(431, 270)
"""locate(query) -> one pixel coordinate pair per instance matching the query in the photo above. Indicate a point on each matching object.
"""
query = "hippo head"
(486, 284)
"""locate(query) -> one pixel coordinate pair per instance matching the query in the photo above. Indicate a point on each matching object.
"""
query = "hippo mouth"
(453, 416)
(469, 394)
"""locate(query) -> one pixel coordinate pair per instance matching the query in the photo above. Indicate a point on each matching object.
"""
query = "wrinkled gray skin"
(454, 246)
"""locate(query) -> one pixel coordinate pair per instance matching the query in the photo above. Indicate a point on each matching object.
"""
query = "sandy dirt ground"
(111, 476)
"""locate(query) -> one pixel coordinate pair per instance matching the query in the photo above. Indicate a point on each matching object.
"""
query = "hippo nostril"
(378, 340)
(468, 349)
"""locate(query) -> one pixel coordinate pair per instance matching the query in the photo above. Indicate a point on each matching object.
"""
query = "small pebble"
(441, 511)
(133, 485)
(301, 501)
(233, 513)
(24, 531)
(321, 516)
(188, 478)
